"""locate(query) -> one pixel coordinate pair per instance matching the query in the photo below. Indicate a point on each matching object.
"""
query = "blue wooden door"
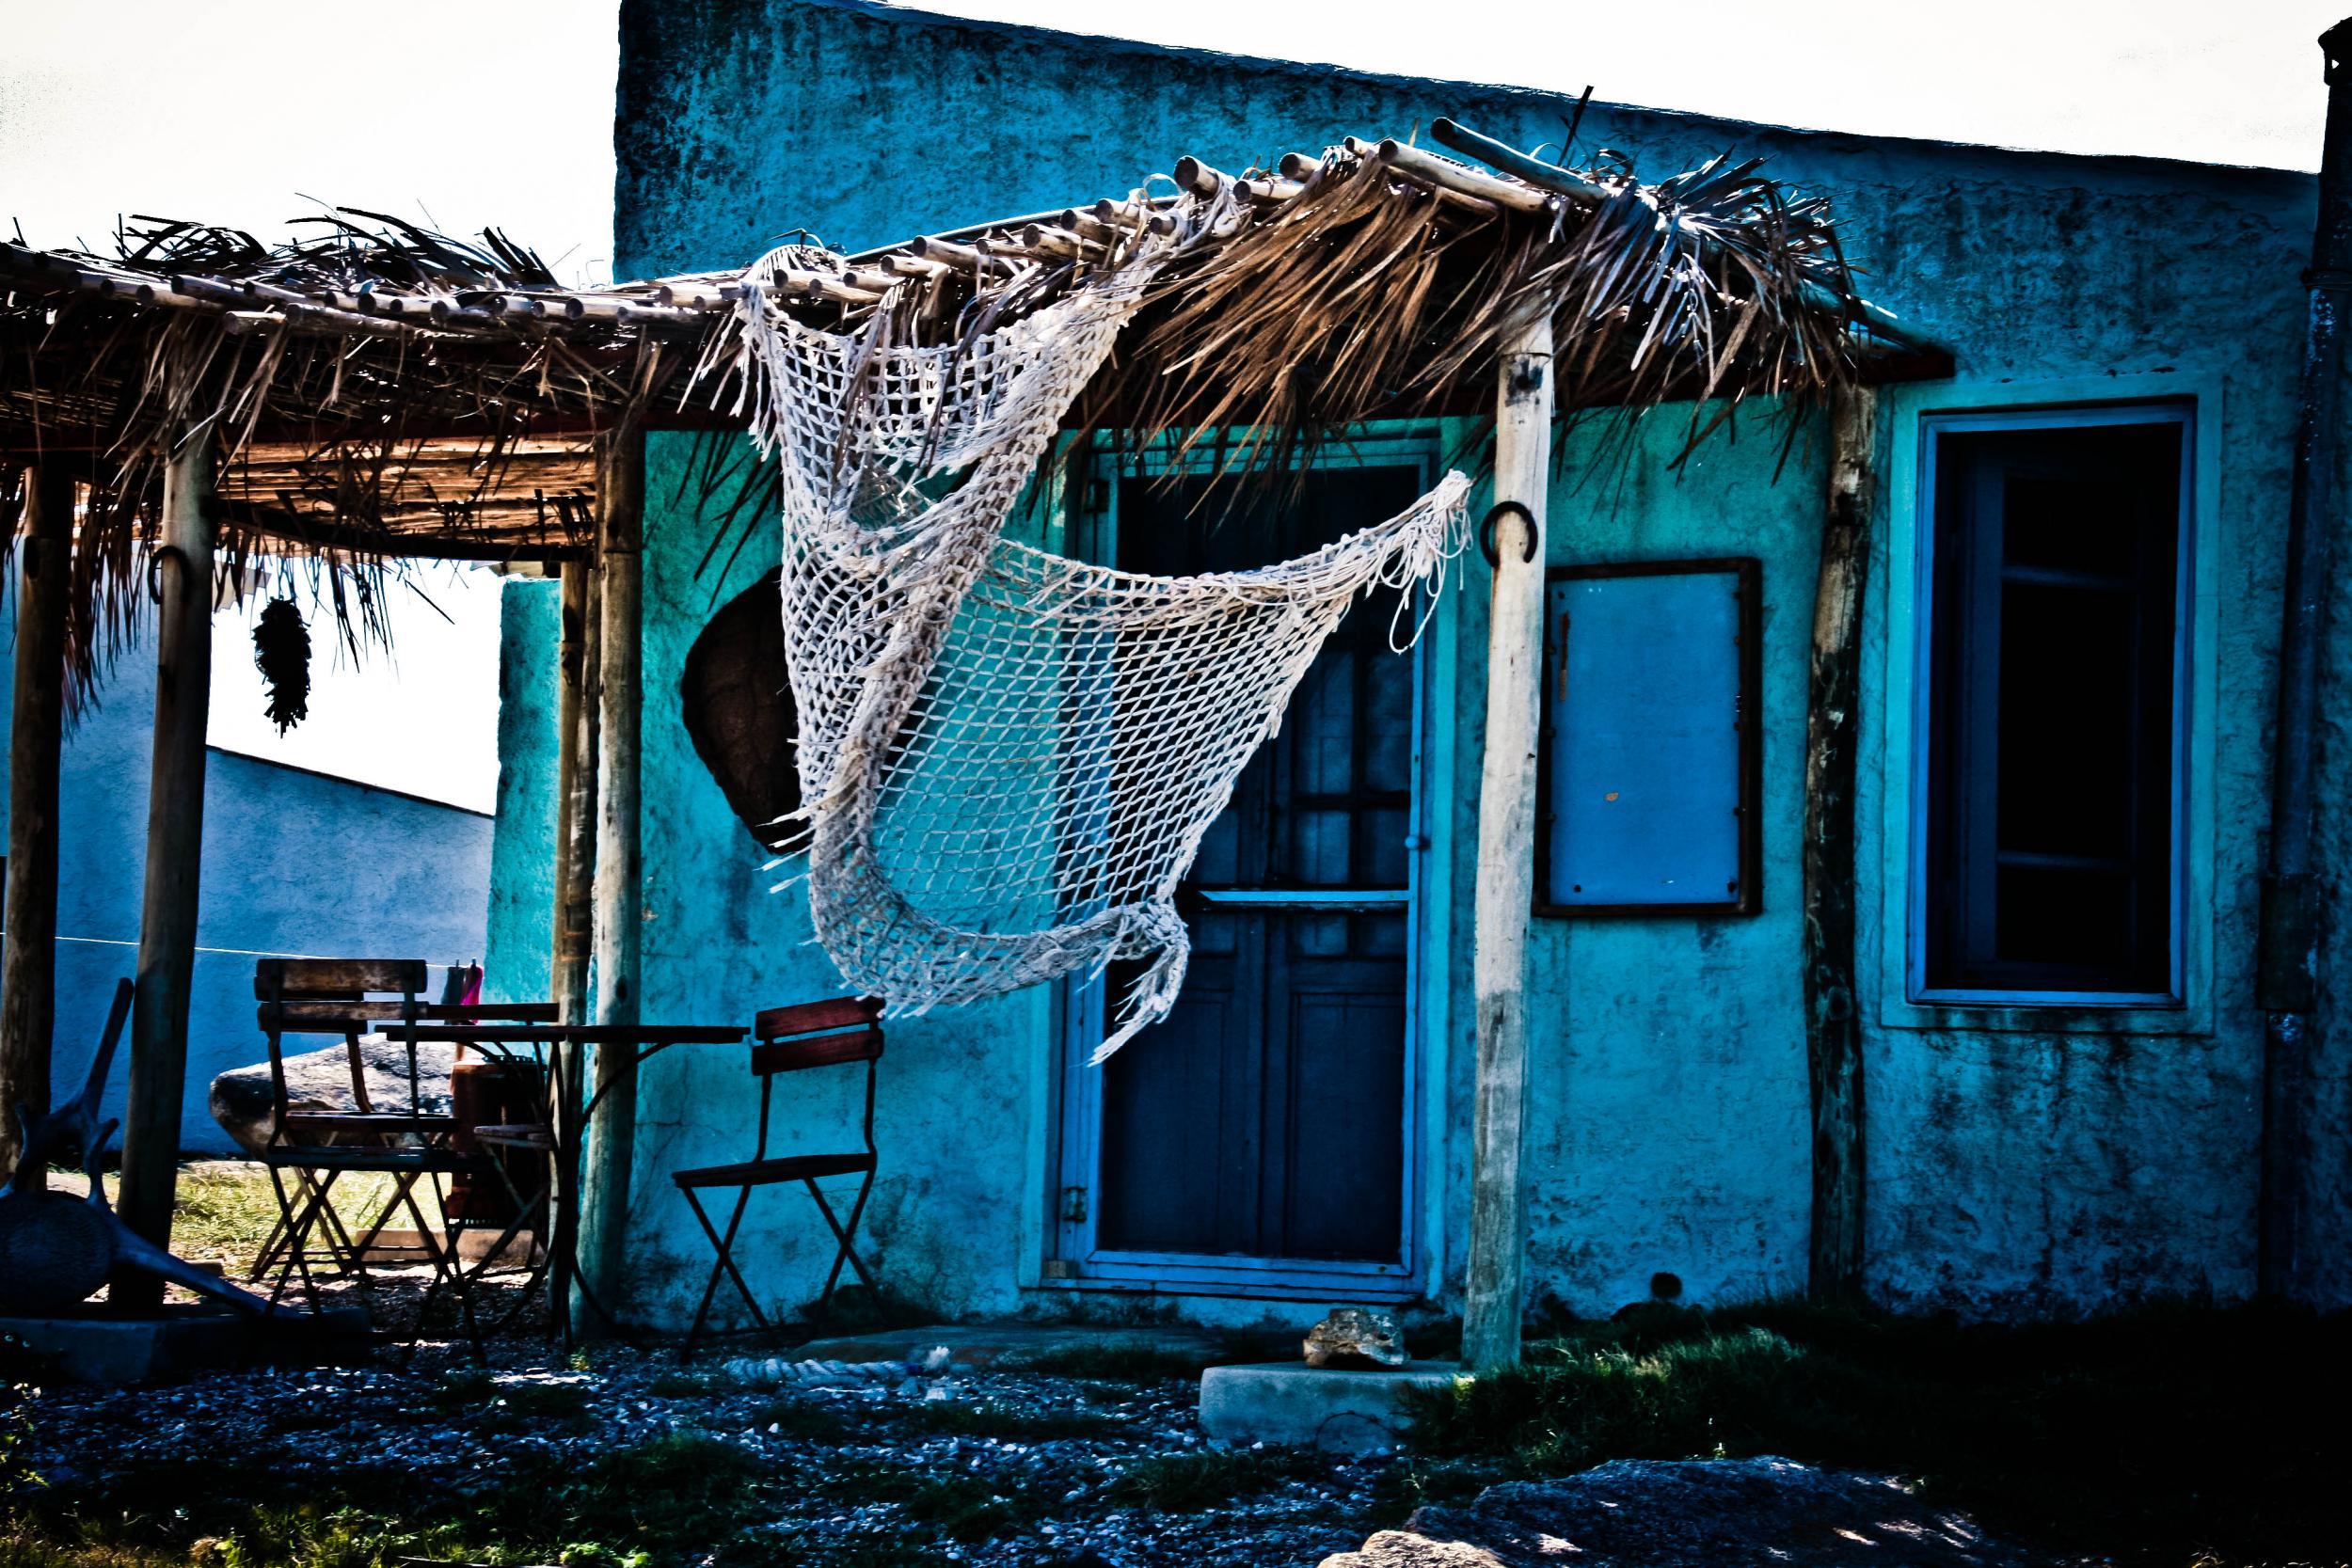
(1265, 1118)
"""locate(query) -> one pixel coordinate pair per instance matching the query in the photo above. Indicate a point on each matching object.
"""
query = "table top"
(580, 1034)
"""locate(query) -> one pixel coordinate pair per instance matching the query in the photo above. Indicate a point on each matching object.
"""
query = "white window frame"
(1920, 415)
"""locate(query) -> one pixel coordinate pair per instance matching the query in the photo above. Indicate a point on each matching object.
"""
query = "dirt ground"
(623, 1454)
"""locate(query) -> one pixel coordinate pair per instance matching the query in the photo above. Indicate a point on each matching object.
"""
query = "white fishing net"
(1007, 757)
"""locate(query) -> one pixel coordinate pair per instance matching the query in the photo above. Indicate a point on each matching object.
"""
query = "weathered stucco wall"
(2016, 1163)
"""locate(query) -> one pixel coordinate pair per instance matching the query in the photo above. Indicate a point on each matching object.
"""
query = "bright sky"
(422, 718)
(467, 111)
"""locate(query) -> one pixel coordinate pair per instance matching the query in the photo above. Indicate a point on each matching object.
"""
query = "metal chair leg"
(299, 1216)
(537, 1273)
(841, 1234)
(724, 1247)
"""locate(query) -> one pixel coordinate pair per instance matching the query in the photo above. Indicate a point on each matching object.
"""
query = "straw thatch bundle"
(377, 391)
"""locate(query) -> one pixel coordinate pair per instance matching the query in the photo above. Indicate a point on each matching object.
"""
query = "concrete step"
(1336, 1410)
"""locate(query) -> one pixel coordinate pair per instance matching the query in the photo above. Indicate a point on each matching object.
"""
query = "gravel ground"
(994, 1467)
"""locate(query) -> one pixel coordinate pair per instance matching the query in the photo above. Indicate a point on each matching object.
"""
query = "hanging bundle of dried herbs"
(282, 651)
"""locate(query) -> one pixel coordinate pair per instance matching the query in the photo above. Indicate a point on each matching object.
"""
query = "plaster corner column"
(1495, 1292)
(182, 564)
(28, 964)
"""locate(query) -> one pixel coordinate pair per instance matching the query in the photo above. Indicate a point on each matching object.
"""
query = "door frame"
(1073, 1259)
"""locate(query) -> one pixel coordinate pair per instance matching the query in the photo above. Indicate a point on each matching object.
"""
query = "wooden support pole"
(1833, 1023)
(1495, 1295)
(28, 968)
(575, 793)
(182, 564)
(575, 892)
(618, 903)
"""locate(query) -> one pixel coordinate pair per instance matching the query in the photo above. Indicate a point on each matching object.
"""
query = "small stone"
(1356, 1336)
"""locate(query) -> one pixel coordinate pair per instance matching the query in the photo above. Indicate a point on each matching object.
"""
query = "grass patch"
(658, 1500)
(224, 1210)
(1209, 1478)
(2157, 1435)
(986, 1420)
(961, 1507)
(680, 1386)
(809, 1419)
(510, 1406)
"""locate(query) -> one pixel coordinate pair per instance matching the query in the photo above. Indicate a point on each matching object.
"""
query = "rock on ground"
(242, 1099)
(1692, 1513)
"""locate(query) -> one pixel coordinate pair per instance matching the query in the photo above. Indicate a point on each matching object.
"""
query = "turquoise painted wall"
(2018, 1164)
(515, 965)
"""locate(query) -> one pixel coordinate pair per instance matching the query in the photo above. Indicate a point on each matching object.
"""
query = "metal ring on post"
(155, 569)
(1490, 538)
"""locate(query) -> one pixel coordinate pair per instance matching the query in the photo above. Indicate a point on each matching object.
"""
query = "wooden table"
(565, 1110)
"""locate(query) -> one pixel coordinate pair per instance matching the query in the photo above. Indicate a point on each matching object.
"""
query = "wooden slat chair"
(348, 998)
(346, 1250)
(793, 1039)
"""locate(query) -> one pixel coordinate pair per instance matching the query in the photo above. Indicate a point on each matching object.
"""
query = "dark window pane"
(2067, 696)
(2065, 523)
(2064, 916)
(2051, 712)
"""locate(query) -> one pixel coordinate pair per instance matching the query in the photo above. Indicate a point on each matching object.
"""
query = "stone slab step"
(1336, 1410)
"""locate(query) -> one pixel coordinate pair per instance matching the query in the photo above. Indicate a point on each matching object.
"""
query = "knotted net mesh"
(1008, 757)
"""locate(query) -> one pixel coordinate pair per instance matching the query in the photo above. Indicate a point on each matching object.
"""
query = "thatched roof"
(379, 392)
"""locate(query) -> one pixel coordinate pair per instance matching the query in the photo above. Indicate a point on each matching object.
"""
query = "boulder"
(1692, 1513)
(1396, 1548)
(1356, 1338)
(321, 1081)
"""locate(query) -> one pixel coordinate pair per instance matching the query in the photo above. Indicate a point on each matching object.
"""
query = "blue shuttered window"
(1650, 749)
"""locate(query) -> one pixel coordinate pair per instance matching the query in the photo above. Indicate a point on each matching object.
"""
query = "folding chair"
(792, 1039)
(349, 997)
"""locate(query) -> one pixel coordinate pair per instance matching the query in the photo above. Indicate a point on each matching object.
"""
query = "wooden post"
(575, 883)
(618, 903)
(575, 793)
(182, 564)
(28, 969)
(1833, 1024)
(1495, 1294)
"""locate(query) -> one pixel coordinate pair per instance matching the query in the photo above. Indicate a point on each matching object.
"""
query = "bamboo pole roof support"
(175, 848)
(1494, 1298)
(28, 959)
(616, 921)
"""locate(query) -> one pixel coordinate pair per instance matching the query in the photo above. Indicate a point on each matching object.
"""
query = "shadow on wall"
(736, 701)
(296, 864)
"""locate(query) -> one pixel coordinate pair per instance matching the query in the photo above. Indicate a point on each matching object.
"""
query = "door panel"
(1267, 1117)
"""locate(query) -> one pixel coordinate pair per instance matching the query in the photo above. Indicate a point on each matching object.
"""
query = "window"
(2054, 708)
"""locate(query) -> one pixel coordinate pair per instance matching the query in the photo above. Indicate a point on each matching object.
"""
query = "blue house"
(296, 864)
(2068, 668)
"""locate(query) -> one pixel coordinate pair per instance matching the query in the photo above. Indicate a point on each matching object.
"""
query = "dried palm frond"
(1372, 295)
(322, 435)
